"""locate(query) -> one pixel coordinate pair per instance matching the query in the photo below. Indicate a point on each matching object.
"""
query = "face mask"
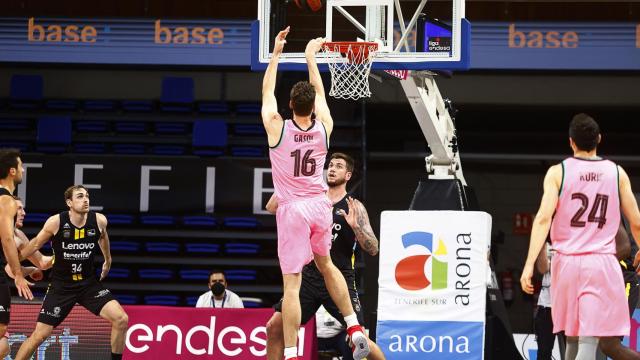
(217, 289)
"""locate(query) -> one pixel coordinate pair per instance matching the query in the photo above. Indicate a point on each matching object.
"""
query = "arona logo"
(410, 271)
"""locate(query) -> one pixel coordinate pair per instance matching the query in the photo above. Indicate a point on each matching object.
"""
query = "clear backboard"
(411, 34)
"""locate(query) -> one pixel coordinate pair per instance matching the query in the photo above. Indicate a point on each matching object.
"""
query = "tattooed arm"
(358, 219)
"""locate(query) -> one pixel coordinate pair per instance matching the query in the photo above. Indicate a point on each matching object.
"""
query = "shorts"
(61, 297)
(304, 229)
(5, 298)
(313, 293)
(588, 296)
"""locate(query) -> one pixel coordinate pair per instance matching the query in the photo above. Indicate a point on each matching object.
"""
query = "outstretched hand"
(23, 287)
(314, 45)
(281, 39)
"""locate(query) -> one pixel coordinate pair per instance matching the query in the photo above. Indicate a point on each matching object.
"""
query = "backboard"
(412, 34)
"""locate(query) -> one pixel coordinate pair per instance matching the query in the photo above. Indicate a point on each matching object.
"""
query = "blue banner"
(435, 340)
(125, 41)
(216, 42)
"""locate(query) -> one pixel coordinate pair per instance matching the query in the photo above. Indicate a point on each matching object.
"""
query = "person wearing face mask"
(219, 296)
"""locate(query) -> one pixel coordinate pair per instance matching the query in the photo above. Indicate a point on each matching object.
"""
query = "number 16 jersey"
(297, 161)
(588, 212)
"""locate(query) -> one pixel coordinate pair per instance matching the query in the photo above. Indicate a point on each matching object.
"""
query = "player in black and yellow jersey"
(76, 235)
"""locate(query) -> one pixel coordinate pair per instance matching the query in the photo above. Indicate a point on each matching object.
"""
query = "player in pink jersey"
(298, 148)
(587, 289)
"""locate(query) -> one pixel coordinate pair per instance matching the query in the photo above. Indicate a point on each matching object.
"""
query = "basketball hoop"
(350, 64)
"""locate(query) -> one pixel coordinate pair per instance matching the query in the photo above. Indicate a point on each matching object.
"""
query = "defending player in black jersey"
(11, 171)
(351, 228)
(76, 235)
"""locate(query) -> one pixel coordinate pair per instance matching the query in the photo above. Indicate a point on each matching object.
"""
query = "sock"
(290, 352)
(116, 356)
(571, 350)
(351, 320)
(587, 348)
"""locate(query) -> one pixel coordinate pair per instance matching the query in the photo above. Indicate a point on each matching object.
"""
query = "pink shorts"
(588, 296)
(304, 228)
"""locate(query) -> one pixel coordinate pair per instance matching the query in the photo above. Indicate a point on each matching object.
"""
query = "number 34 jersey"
(74, 249)
(588, 212)
(297, 161)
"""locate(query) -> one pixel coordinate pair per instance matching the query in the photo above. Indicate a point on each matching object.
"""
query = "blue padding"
(125, 246)
(240, 275)
(61, 104)
(157, 220)
(15, 124)
(171, 150)
(171, 128)
(47, 246)
(36, 218)
(92, 148)
(194, 274)
(249, 129)
(215, 107)
(131, 149)
(209, 133)
(202, 248)
(208, 221)
(26, 87)
(137, 105)
(170, 300)
(120, 219)
(164, 247)
(117, 273)
(241, 222)
(177, 90)
(156, 274)
(247, 151)
(241, 248)
(92, 126)
(126, 299)
(99, 105)
(248, 108)
(192, 300)
(54, 130)
(209, 152)
(252, 304)
(135, 127)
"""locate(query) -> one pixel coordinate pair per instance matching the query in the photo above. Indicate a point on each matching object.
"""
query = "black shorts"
(631, 286)
(61, 297)
(5, 298)
(313, 293)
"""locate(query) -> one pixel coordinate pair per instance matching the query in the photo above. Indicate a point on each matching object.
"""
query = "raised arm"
(358, 219)
(541, 224)
(8, 210)
(48, 231)
(320, 107)
(105, 247)
(270, 117)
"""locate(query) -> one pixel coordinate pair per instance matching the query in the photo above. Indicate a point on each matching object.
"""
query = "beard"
(17, 181)
(336, 182)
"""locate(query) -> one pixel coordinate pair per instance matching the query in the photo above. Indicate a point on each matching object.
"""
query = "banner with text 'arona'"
(433, 280)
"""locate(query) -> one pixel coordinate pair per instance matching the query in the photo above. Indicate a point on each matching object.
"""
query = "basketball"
(313, 5)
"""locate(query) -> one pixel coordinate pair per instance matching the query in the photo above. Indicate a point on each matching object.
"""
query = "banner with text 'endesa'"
(433, 279)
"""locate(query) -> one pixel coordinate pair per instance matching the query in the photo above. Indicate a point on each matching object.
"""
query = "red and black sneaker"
(358, 341)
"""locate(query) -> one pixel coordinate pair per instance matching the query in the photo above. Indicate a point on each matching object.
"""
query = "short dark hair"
(347, 159)
(584, 131)
(68, 194)
(303, 96)
(216, 271)
(8, 159)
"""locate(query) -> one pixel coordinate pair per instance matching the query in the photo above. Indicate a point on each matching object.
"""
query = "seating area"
(173, 125)
(160, 259)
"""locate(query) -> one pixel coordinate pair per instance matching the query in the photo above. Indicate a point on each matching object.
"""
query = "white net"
(350, 65)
